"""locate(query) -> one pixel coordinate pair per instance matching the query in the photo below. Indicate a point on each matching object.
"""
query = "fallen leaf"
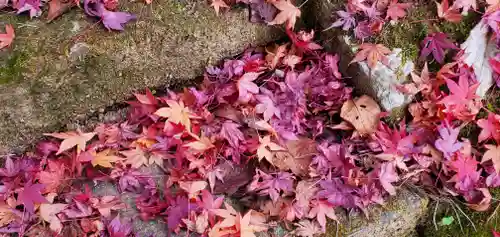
(246, 86)
(31, 195)
(397, 10)
(7, 38)
(48, 213)
(450, 14)
(297, 157)
(373, 53)
(6, 215)
(71, 139)
(202, 144)
(217, 4)
(136, 158)
(176, 114)
(104, 158)
(58, 7)
(193, 188)
(266, 149)
(362, 113)
(493, 154)
(289, 13)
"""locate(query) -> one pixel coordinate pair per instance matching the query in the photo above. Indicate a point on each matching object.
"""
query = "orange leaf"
(7, 38)
(373, 53)
(72, 139)
(362, 113)
(289, 13)
(104, 158)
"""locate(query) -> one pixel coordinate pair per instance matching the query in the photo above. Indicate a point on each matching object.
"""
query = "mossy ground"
(421, 20)
(484, 222)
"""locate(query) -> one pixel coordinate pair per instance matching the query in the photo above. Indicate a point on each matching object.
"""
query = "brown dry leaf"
(6, 215)
(298, 156)
(58, 7)
(274, 55)
(362, 113)
(104, 158)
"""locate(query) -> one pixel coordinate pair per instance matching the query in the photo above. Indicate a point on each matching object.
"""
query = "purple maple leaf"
(337, 193)
(111, 20)
(11, 168)
(436, 43)
(177, 211)
(266, 107)
(272, 184)
(117, 228)
(448, 143)
(363, 30)
(30, 195)
(346, 20)
(33, 6)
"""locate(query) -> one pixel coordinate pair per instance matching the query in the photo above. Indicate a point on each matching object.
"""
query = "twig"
(463, 213)
(493, 214)
(434, 215)
(304, 3)
(458, 218)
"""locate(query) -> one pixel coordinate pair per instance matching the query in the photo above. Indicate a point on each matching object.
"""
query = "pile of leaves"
(277, 129)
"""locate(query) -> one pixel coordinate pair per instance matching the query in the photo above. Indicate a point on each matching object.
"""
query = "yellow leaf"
(104, 158)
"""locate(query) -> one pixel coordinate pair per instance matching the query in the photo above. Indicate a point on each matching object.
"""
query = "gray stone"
(398, 217)
(380, 82)
(60, 73)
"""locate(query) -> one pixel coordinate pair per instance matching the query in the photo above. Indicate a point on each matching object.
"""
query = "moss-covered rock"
(44, 87)
(398, 217)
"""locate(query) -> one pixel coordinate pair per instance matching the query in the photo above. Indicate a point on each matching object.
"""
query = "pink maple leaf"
(436, 44)
(388, 175)
(467, 174)
(490, 127)
(397, 10)
(246, 86)
(320, 210)
(266, 107)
